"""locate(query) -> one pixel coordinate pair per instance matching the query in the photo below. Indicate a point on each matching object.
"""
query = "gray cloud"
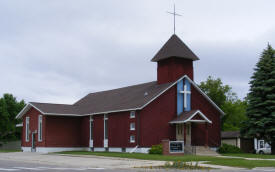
(58, 51)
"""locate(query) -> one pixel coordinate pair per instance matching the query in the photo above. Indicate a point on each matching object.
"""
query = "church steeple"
(174, 60)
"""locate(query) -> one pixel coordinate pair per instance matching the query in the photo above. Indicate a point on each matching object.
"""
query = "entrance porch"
(192, 128)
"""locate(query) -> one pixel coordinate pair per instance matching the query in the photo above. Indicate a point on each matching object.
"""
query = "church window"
(40, 128)
(132, 114)
(132, 139)
(105, 127)
(27, 127)
(132, 126)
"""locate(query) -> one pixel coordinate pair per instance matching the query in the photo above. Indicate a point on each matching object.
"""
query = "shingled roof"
(230, 134)
(50, 108)
(129, 98)
(174, 47)
(122, 99)
(187, 116)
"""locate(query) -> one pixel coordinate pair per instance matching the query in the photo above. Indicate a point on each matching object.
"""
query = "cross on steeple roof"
(174, 14)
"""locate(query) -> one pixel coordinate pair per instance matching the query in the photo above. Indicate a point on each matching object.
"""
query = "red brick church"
(131, 118)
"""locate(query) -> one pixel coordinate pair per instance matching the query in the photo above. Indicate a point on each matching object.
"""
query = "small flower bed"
(184, 166)
(180, 165)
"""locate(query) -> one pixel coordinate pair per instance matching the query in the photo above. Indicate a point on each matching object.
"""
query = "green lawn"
(11, 150)
(143, 156)
(243, 163)
(250, 155)
(212, 160)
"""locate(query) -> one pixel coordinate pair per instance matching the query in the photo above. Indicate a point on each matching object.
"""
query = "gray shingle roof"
(174, 47)
(183, 116)
(230, 134)
(51, 108)
(126, 98)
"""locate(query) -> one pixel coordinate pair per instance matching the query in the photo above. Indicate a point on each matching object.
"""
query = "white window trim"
(105, 119)
(40, 130)
(132, 114)
(91, 129)
(132, 140)
(132, 126)
(27, 128)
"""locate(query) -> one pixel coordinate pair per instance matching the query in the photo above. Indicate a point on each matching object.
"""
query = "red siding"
(171, 69)
(155, 118)
(119, 129)
(57, 131)
(33, 114)
(98, 130)
(63, 131)
(85, 131)
(152, 123)
(198, 101)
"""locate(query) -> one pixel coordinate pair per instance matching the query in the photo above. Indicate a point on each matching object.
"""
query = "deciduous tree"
(9, 108)
(228, 101)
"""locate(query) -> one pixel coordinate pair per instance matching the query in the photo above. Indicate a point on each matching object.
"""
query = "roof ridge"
(113, 90)
(50, 103)
(123, 87)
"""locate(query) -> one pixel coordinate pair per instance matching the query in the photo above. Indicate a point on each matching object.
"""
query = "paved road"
(10, 165)
(22, 162)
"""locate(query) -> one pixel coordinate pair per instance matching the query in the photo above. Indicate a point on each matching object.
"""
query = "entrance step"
(199, 150)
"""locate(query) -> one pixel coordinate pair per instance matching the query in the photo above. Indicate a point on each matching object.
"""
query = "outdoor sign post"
(176, 146)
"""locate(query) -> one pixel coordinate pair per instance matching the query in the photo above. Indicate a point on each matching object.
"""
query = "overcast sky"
(58, 51)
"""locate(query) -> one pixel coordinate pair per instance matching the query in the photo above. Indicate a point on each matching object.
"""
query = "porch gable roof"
(188, 116)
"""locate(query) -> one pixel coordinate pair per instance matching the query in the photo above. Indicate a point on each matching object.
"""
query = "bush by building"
(225, 148)
(156, 149)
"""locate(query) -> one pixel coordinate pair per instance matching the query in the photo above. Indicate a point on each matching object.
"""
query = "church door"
(179, 132)
(188, 134)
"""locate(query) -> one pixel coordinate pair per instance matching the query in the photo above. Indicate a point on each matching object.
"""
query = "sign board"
(176, 147)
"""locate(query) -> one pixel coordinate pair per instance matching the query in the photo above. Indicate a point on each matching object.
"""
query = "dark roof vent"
(146, 94)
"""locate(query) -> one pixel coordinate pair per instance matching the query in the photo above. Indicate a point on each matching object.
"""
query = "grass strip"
(9, 150)
(250, 155)
(232, 162)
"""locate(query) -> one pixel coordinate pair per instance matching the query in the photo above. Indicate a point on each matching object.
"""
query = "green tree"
(228, 101)
(261, 100)
(217, 91)
(235, 115)
(9, 108)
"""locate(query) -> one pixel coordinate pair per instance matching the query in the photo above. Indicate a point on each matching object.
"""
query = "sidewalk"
(238, 157)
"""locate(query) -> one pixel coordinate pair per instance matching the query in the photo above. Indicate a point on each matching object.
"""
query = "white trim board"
(55, 149)
(201, 114)
(194, 120)
(119, 149)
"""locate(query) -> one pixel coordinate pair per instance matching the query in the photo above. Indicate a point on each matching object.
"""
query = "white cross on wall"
(185, 92)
